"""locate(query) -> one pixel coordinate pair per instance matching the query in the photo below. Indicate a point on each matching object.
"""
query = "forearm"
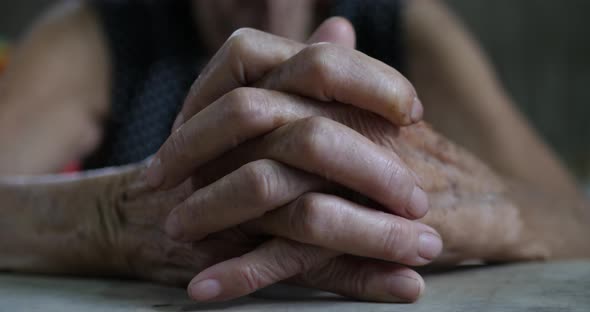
(461, 91)
(559, 224)
(519, 224)
(481, 215)
(59, 224)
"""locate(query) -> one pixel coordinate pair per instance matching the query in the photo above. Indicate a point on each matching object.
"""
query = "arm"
(456, 83)
(54, 93)
(519, 224)
(559, 220)
(61, 224)
(108, 223)
(481, 215)
(97, 223)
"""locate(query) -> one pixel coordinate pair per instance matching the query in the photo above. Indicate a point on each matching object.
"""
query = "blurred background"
(540, 49)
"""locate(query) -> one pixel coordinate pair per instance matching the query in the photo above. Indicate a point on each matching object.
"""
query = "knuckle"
(397, 180)
(243, 33)
(350, 277)
(302, 260)
(357, 282)
(188, 212)
(253, 278)
(322, 54)
(395, 236)
(237, 48)
(322, 62)
(239, 40)
(305, 218)
(248, 108)
(325, 274)
(262, 177)
(313, 136)
(240, 105)
(178, 147)
(189, 220)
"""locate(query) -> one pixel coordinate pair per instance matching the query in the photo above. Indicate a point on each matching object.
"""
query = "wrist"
(61, 224)
(557, 223)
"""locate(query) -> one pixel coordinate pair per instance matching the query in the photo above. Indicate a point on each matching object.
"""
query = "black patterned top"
(156, 55)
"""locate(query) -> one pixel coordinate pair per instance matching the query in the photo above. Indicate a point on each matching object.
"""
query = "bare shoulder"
(64, 50)
(71, 22)
(55, 91)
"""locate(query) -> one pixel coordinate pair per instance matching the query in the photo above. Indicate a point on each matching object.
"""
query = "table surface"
(559, 286)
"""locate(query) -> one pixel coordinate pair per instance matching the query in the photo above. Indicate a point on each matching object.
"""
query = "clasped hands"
(283, 149)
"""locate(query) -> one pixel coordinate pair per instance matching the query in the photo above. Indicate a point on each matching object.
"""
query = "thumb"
(336, 30)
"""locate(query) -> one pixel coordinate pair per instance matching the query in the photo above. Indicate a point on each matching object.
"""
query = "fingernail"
(429, 246)
(178, 121)
(418, 206)
(405, 288)
(154, 174)
(205, 290)
(417, 110)
(172, 227)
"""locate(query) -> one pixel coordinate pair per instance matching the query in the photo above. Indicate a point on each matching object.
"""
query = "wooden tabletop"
(560, 286)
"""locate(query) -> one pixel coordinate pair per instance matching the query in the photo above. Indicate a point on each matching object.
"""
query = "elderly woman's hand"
(136, 240)
(272, 124)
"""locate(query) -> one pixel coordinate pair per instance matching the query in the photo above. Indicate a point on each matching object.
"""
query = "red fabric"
(72, 167)
(3, 62)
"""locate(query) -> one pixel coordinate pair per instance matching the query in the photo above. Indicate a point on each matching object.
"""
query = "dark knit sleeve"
(378, 25)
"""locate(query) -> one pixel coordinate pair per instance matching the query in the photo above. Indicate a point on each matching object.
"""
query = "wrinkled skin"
(469, 207)
(128, 224)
